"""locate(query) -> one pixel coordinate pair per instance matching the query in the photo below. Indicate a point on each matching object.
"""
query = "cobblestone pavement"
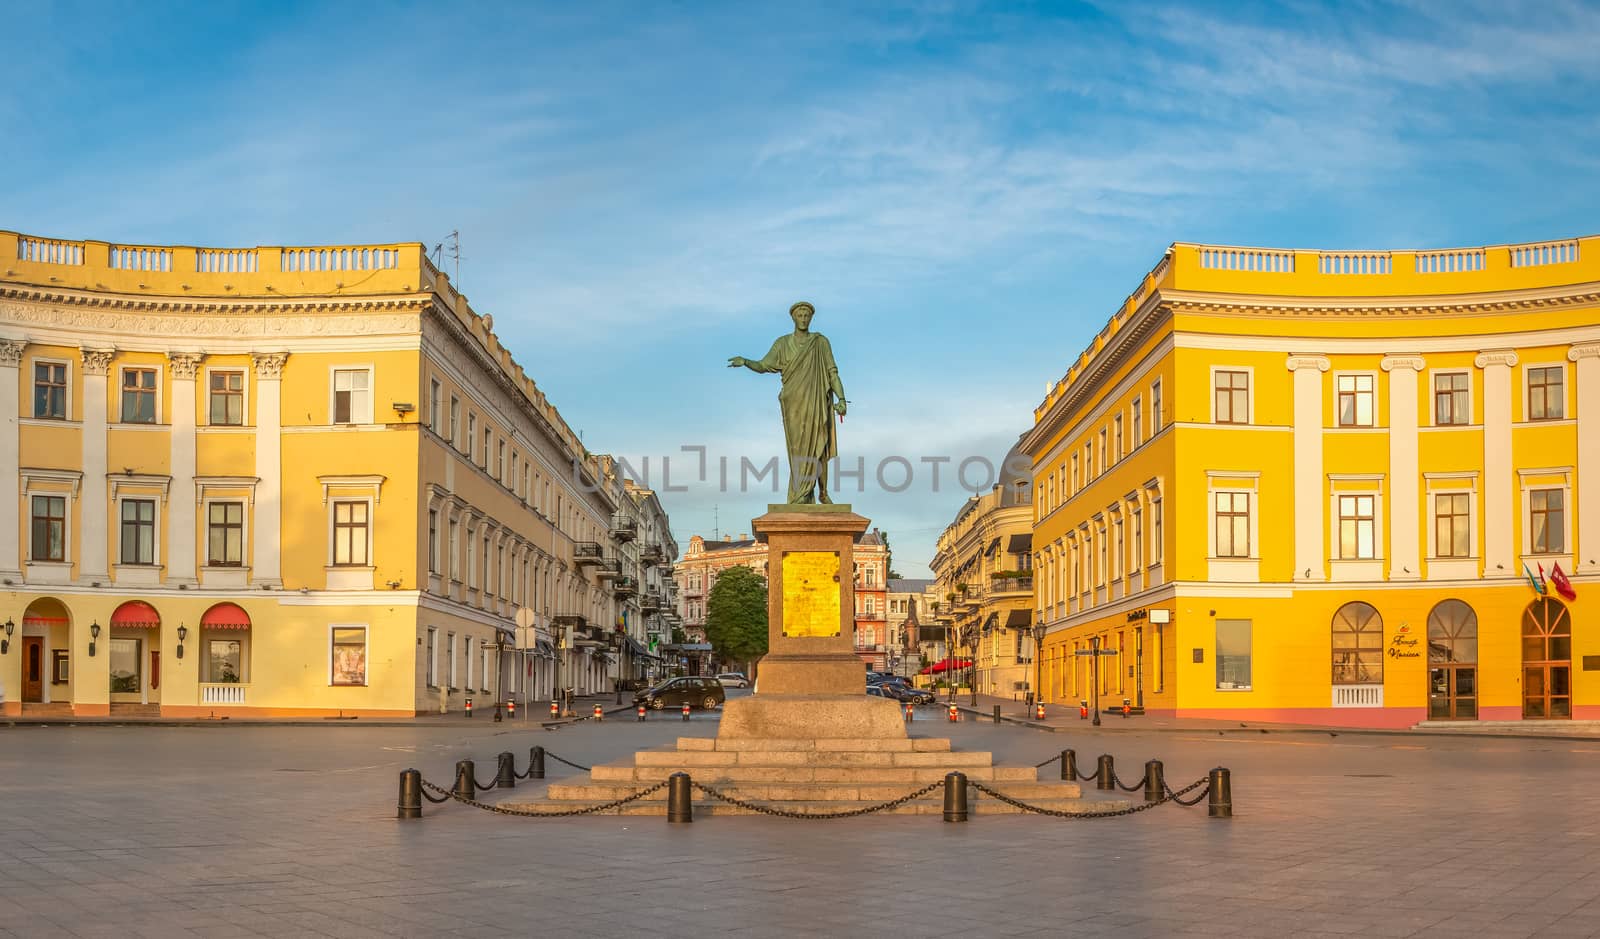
(286, 831)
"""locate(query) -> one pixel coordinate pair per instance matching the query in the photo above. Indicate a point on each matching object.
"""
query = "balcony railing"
(608, 568)
(223, 693)
(586, 552)
(651, 553)
(1010, 583)
(625, 587)
(624, 527)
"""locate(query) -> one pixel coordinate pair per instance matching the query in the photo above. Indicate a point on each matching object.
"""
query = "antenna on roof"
(454, 241)
(716, 525)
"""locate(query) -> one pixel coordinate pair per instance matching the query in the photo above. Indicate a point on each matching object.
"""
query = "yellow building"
(1307, 486)
(983, 569)
(272, 481)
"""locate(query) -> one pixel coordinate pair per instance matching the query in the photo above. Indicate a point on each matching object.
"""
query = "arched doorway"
(46, 647)
(133, 655)
(1452, 662)
(1546, 660)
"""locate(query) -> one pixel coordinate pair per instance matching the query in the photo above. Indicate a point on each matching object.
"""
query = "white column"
(1405, 552)
(10, 459)
(1500, 495)
(1586, 550)
(181, 532)
(93, 512)
(1310, 522)
(268, 522)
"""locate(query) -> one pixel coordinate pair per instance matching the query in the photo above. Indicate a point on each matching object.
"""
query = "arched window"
(1546, 632)
(1452, 633)
(1357, 645)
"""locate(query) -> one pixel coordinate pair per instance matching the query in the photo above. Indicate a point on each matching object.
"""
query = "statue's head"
(801, 313)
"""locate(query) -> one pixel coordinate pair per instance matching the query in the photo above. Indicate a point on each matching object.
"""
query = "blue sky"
(965, 191)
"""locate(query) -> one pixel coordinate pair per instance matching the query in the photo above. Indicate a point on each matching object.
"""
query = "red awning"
(945, 665)
(136, 614)
(226, 616)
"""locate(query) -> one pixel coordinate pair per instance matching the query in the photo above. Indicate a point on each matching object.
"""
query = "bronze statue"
(810, 396)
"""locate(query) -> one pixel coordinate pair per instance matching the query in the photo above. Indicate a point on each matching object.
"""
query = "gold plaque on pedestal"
(811, 593)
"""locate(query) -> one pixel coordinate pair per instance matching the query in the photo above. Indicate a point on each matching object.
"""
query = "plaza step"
(815, 744)
(610, 790)
(948, 759)
(978, 804)
(868, 774)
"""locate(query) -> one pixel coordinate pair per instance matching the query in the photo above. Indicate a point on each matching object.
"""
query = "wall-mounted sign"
(1135, 616)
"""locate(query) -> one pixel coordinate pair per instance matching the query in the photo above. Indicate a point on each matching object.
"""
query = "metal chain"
(586, 810)
(1130, 810)
(443, 798)
(1133, 788)
(1195, 801)
(482, 787)
(782, 813)
(568, 762)
(1047, 762)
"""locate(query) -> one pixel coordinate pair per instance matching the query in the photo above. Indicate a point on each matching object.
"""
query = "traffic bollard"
(410, 794)
(1220, 803)
(555, 711)
(955, 797)
(511, 708)
(909, 712)
(1155, 781)
(1069, 765)
(686, 711)
(469, 707)
(465, 787)
(680, 805)
(536, 763)
(1125, 708)
(954, 714)
(641, 712)
(1083, 710)
(599, 715)
(997, 713)
(505, 774)
(1038, 712)
(1105, 775)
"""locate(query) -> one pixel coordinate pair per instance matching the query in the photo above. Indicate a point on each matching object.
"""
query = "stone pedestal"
(811, 681)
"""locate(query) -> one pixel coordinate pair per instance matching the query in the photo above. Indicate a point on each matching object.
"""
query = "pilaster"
(267, 533)
(1405, 551)
(1500, 493)
(1310, 520)
(182, 534)
(10, 459)
(93, 511)
(1586, 549)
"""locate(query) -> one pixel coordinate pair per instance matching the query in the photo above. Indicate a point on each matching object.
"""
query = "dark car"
(901, 691)
(676, 692)
(879, 691)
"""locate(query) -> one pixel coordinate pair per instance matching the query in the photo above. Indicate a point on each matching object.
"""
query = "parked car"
(733, 680)
(694, 691)
(879, 691)
(904, 692)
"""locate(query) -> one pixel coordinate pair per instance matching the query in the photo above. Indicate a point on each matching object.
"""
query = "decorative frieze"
(269, 365)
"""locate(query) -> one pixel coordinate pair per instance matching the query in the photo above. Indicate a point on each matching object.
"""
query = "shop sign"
(1135, 616)
(1404, 645)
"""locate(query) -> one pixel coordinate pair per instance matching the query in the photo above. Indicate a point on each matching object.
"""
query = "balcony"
(651, 601)
(624, 587)
(1010, 582)
(586, 552)
(651, 553)
(624, 527)
(608, 568)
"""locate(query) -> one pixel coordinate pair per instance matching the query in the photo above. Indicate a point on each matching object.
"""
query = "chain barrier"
(575, 766)
(1173, 796)
(1057, 813)
(1053, 759)
(502, 810)
(435, 801)
(481, 787)
(1136, 787)
(784, 813)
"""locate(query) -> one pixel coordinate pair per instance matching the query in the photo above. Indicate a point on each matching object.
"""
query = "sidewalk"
(1061, 719)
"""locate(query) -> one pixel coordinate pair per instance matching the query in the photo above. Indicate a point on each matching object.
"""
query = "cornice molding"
(224, 321)
(1509, 301)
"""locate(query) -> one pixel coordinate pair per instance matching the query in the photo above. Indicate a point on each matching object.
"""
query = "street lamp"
(617, 639)
(500, 670)
(1038, 661)
(5, 643)
(1094, 675)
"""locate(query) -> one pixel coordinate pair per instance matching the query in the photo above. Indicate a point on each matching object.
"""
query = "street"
(285, 831)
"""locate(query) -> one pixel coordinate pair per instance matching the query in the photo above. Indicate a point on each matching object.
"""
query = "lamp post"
(617, 640)
(183, 633)
(1038, 661)
(500, 670)
(5, 643)
(1094, 675)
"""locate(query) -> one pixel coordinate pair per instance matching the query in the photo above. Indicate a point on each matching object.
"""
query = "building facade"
(1320, 486)
(983, 568)
(273, 481)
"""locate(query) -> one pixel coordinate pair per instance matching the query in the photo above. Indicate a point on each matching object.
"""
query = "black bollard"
(410, 794)
(997, 713)
(955, 797)
(469, 707)
(1155, 781)
(680, 804)
(465, 787)
(505, 774)
(497, 712)
(536, 763)
(1069, 765)
(1220, 805)
(1105, 775)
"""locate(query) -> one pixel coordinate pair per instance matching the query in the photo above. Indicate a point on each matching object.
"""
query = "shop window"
(1233, 654)
(1357, 645)
(349, 655)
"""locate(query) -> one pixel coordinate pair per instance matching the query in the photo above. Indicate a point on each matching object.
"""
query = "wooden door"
(33, 668)
(1546, 660)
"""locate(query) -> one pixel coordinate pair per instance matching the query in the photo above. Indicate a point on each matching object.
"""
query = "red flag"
(1563, 585)
(1542, 587)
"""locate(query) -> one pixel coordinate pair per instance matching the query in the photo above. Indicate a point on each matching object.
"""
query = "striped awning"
(136, 614)
(225, 616)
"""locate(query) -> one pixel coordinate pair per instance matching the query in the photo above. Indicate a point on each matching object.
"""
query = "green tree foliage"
(736, 615)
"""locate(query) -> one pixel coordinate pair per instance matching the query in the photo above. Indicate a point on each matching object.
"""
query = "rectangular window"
(488, 438)
(1233, 654)
(1355, 400)
(435, 396)
(484, 681)
(1138, 423)
(455, 556)
(1357, 527)
(1156, 543)
(500, 462)
(455, 421)
(471, 643)
(49, 528)
(350, 528)
(1452, 521)
(352, 396)
(1546, 394)
(433, 541)
(1137, 560)
(1233, 524)
(1161, 658)
(349, 654)
(1104, 573)
(226, 405)
(483, 564)
(1101, 466)
(450, 659)
(431, 668)
(1233, 397)
(1074, 489)
(472, 437)
(1116, 428)
(1117, 554)
(50, 390)
(138, 531)
(1156, 415)
(225, 534)
(1452, 399)
(225, 661)
(138, 396)
(1548, 528)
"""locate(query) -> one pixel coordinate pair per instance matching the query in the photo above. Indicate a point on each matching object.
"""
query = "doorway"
(1452, 662)
(127, 680)
(32, 669)
(1546, 661)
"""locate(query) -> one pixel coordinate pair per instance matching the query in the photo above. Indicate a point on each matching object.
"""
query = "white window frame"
(471, 452)
(68, 498)
(356, 419)
(435, 402)
(204, 554)
(1434, 375)
(1527, 388)
(1136, 426)
(1252, 511)
(1357, 569)
(1567, 512)
(244, 394)
(1246, 569)
(1156, 422)
(484, 650)
(469, 643)
(161, 381)
(1376, 402)
(366, 658)
(430, 672)
(451, 667)
(1338, 517)
(66, 405)
(454, 417)
(1452, 484)
(155, 534)
(372, 523)
(1249, 394)
(1136, 539)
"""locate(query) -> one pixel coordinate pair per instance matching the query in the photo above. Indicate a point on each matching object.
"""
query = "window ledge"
(47, 572)
(350, 578)
(48, 422)
(1352, 569)
(138, 425)
(1234, 570)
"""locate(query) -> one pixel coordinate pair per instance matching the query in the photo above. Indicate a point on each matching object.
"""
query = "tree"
(736, 615)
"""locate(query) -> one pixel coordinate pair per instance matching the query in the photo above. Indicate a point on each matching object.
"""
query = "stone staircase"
(815, 775)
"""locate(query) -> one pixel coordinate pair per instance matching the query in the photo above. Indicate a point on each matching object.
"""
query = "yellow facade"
(1328, 473)
(265, 452)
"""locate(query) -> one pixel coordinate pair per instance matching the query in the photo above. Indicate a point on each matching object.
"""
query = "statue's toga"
(810, 396)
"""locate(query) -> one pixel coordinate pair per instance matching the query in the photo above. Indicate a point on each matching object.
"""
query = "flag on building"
(1563, 585)
(1533, 581)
